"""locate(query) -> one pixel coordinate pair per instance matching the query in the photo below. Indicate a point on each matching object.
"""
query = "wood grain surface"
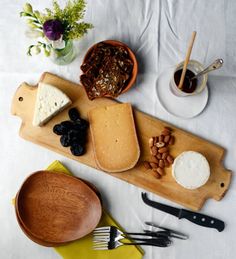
(55, 208)
(146, 126)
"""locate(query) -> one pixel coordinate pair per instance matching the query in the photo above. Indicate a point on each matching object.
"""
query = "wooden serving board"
(146, 126)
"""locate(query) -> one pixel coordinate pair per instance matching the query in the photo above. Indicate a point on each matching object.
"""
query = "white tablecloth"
(158, 32)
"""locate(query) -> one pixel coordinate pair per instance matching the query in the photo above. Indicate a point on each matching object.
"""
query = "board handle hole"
(20, 99)
(222, 185)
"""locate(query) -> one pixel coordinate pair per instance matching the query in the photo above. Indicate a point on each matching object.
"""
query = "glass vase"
(64, 56)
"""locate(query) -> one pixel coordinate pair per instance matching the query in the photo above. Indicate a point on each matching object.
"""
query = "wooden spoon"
(180, 86)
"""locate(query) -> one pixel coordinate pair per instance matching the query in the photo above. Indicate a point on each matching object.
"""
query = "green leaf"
(56, 7)
(29, 50)
(28, 8)
(78, 30)
(49, 12)
(22, 14)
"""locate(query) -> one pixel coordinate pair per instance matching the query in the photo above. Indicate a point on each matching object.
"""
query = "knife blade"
(195, 217)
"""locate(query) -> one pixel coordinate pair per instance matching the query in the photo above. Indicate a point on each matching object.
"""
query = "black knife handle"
(202, 220)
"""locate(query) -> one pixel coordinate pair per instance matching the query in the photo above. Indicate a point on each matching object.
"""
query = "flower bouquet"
(56, 29)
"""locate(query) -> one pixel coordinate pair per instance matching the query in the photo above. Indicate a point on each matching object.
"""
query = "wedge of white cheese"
(49, 101)
(191, 170)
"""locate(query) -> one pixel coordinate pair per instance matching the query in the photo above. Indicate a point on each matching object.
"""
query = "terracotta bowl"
(55, 208)
(132, 57)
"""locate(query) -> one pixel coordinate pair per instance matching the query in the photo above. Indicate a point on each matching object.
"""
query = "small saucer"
(184, 107)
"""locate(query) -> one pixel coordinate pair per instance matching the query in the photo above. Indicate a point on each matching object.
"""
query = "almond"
(168, 128)
(154, 160)
(170, 159)
(153, 165)
(160, 153)
(146, 165)
(153, 172)
(155, 140)
(158, 176)
(172, 140)
(161, 138)
(164, 155)
(167, 138)
(161, 163)
(160, 144)
(160, 171)
(165, 132)
(150, 142)
(163, 150)
(154, 150)
(166, 163)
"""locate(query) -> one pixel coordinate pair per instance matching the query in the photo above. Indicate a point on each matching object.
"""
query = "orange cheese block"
(114, 137)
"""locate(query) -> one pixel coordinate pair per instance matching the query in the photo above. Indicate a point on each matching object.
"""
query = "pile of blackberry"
(73, 132)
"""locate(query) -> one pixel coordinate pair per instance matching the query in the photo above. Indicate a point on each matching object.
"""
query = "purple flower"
(53, 29)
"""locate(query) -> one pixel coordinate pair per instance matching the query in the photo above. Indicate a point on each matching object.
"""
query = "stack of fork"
(110, 237)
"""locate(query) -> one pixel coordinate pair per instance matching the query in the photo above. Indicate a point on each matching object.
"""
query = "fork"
(105, 235)
(108, 245)
(98, 239)
(112, 233)
(170, 232)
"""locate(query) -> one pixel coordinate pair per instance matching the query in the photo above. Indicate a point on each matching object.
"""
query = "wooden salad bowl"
(53, 208)
(32, 237)
(131, 55)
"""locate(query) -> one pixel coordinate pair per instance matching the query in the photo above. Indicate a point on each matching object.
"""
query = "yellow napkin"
(82, 248)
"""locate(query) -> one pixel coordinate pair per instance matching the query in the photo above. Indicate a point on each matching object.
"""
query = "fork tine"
(100, 245)
(102, 228)
(101, 236)
(105, 246)
(100, 248)
(107, 234)
(101, 240)
(101, 233)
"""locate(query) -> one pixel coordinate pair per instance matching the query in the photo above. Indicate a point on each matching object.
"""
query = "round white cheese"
(191, 170)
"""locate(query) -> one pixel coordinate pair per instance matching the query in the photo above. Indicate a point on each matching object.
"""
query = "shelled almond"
(159, 150)
(153, 150)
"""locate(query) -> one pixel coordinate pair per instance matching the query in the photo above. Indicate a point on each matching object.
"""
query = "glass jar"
(63, 56)
(196, 68)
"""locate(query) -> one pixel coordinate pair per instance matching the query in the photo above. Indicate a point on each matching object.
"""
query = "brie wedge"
(49, 101)
(191, 170)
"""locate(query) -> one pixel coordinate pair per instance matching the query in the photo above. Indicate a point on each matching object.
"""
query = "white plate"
(184, 107)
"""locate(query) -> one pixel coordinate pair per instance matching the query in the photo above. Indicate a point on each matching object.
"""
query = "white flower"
(35, 50)
(58, 44)
(32, 33)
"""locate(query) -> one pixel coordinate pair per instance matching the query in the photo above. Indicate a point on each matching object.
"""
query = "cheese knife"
(197, 218)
